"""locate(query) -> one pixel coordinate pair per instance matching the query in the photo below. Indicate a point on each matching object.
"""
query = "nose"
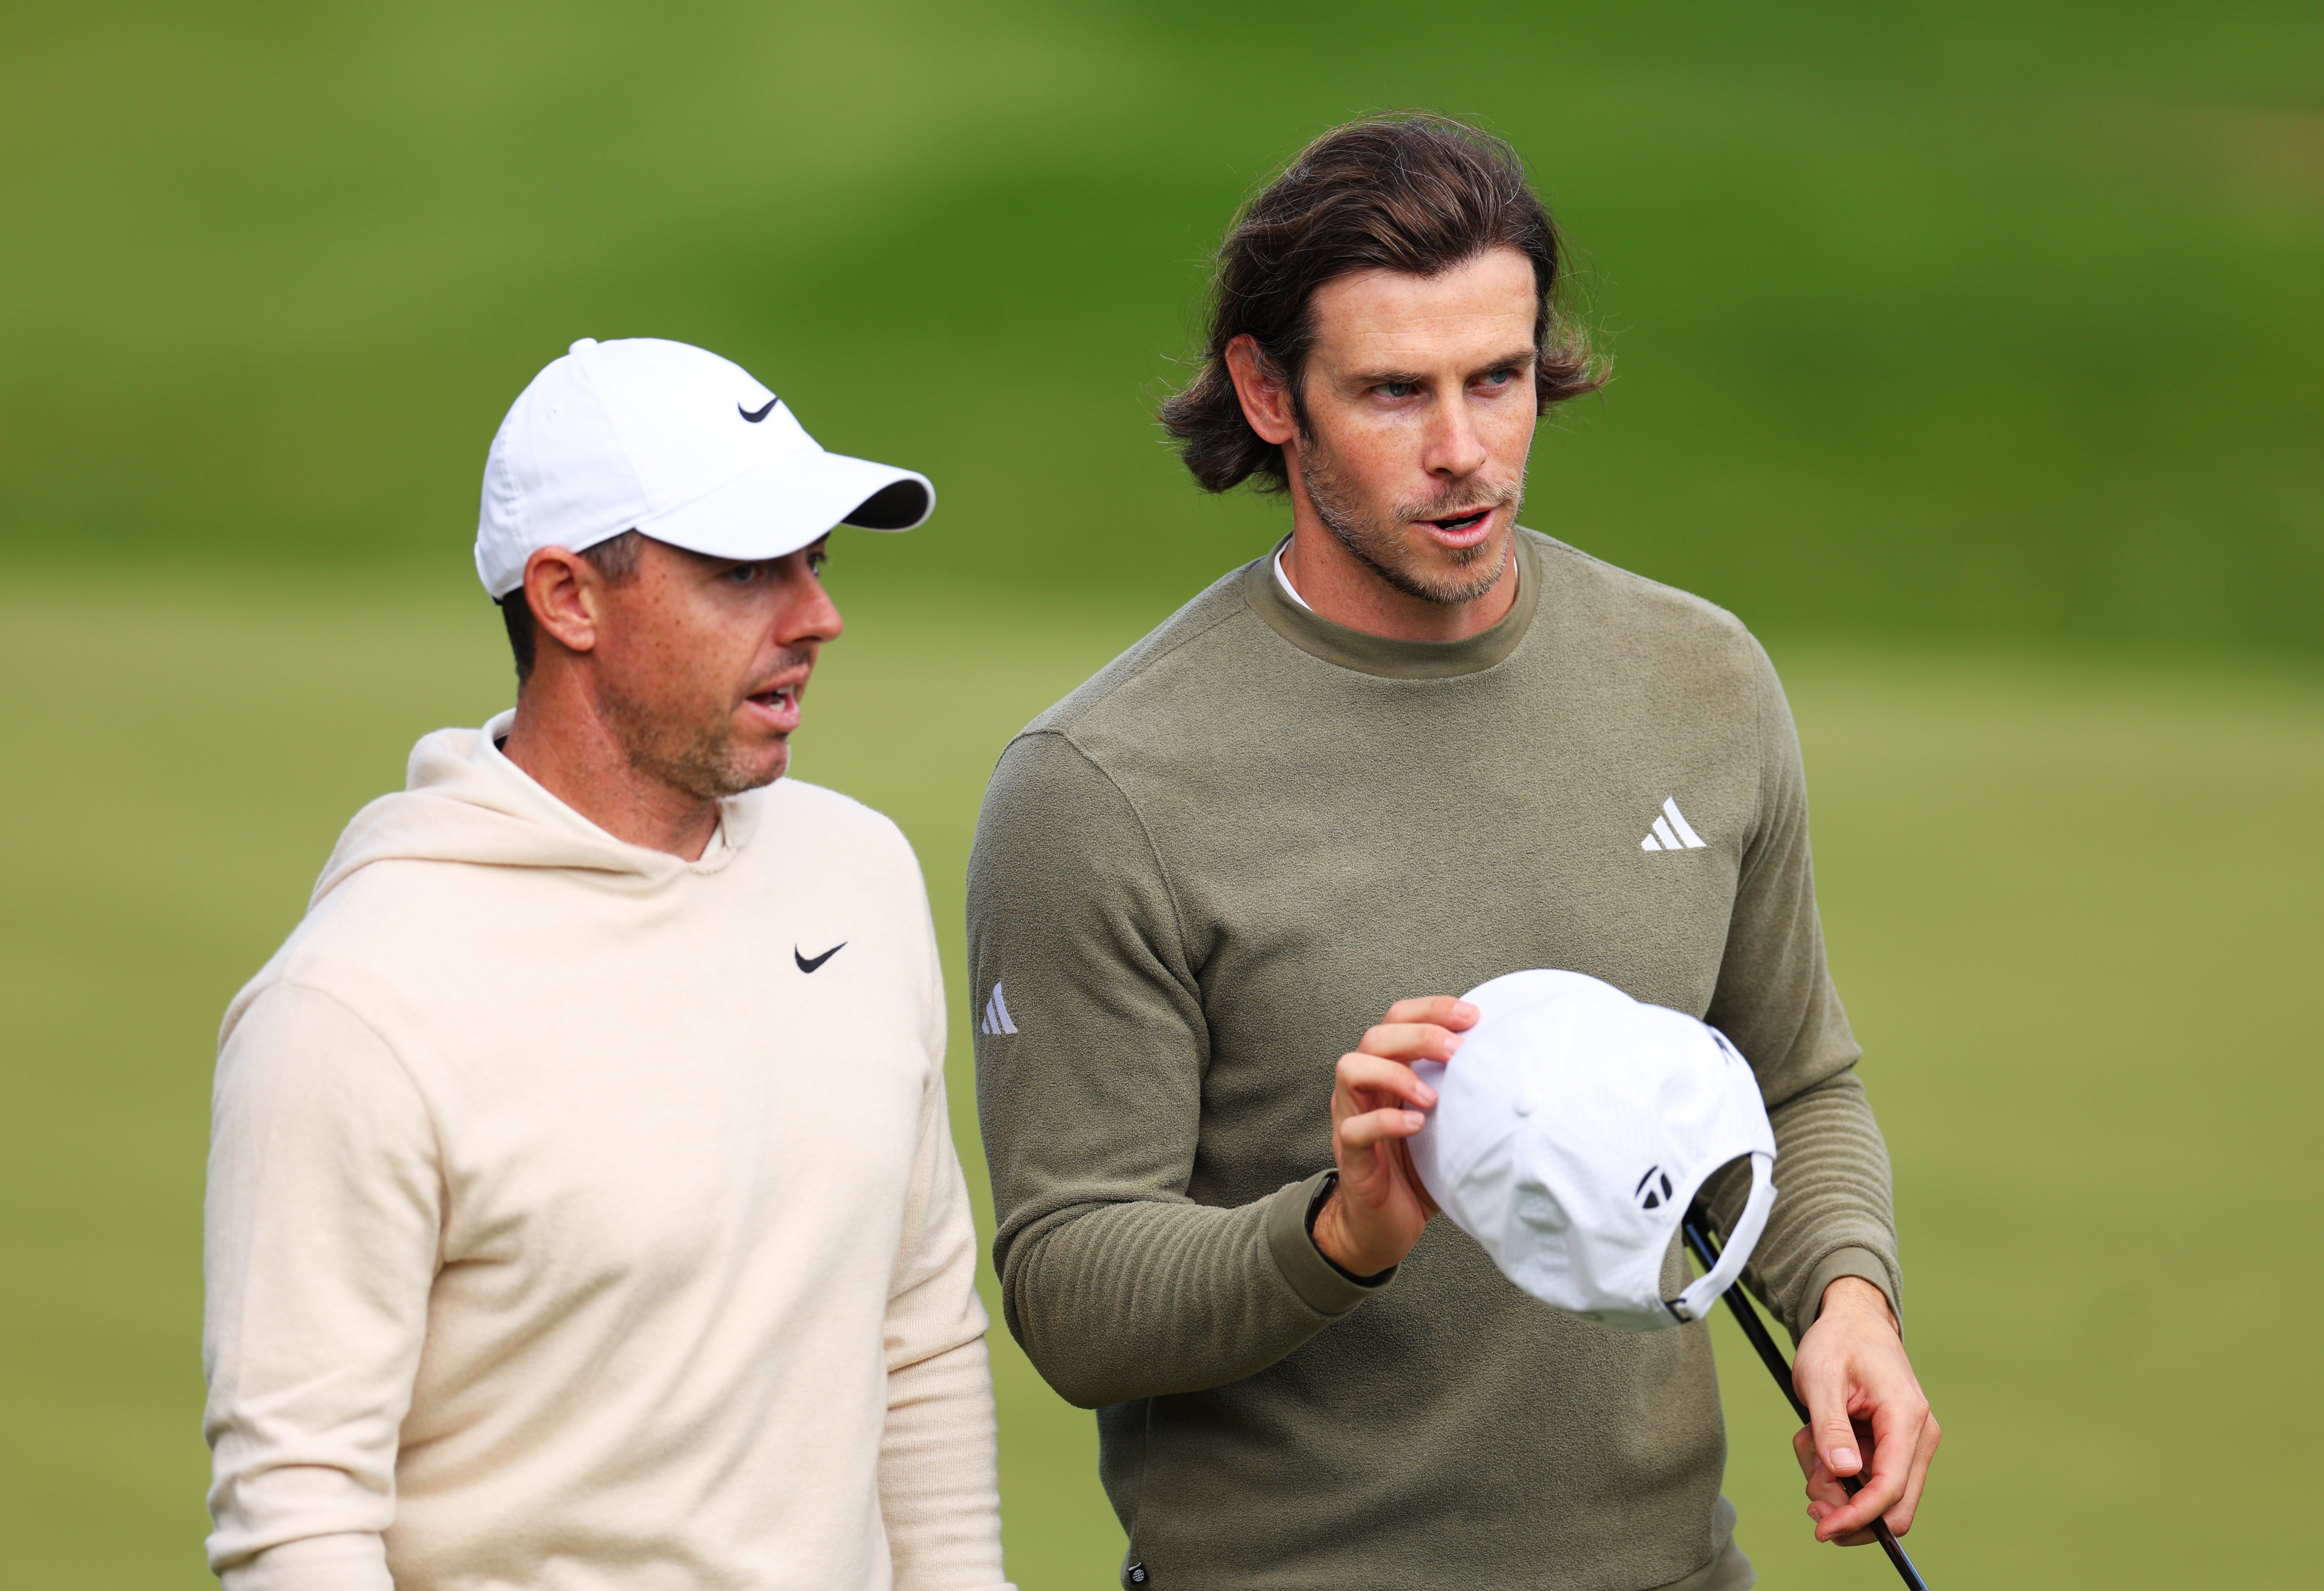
(1455, 447)
(808, 616)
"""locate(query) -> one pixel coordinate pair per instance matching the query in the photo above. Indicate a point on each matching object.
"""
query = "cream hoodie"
(564, 1234)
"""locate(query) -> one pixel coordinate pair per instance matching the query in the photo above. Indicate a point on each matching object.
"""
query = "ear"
(1266, 400)
(564, 591)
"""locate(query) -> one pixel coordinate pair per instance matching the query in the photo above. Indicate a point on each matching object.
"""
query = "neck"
(563, 742)
(1341, 587)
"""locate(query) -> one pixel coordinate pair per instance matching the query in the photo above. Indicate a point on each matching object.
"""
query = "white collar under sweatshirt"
(581, 1217)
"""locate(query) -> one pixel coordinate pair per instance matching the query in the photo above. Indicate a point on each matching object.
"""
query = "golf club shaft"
(1698, 1229)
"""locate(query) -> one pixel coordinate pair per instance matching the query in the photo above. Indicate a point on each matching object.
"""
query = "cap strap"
(1695, 1302)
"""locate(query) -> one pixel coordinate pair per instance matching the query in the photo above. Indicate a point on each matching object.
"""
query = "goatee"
(696, 753)
(1378, 544)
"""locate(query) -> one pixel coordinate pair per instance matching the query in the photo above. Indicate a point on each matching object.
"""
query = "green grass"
(1960, 317)
(1941, 327)
(2071, 905)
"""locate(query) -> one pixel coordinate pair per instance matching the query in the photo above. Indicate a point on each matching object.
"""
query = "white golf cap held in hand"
(1573, 1129)
(675, 443)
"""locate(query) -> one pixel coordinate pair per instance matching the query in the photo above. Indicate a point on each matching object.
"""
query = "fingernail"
(1463, 1008)
(1414, 1120)
(1845, 1458)
(1427, 1097)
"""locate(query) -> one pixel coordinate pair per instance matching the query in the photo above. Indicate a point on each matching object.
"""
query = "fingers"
(1398, 1095)
(1822, 1381)
(1377, 1101)
(1931, 1434)
(1893, 1452)
(1831, 1440)
(1882, 1488)
(1368, 1081)
(1904, 1440)
(1438, 1010)
(1410, 1041)
(1925, 1450)
(1380, 1127)
(1826, 1494)
(1868, 1418)
(1900, 1438)
(1377, 1098)
(1822, 1483)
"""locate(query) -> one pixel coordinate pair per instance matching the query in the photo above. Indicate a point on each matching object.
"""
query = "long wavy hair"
(1410, 191)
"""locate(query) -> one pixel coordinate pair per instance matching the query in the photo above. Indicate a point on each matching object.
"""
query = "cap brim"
(792, 500)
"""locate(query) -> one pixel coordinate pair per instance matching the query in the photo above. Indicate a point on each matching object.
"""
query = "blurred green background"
(1967, 352)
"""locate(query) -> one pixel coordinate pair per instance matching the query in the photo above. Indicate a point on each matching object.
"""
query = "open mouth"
(1464, 523)
(780, 703)
(1457, 523)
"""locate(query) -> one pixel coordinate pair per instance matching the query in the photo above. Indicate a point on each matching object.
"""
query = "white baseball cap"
(675, 442)
(1573, 1129)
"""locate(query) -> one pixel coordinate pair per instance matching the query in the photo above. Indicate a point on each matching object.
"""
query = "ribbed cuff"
(1849, 1262)
(1321, 1286)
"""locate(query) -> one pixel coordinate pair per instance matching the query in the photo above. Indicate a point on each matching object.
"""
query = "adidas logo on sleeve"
(1672, 832)
(996, 1014)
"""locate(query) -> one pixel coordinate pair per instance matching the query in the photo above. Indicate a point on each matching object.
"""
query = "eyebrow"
(1379, 377)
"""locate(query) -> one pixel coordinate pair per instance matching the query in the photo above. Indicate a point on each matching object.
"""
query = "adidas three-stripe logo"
(1672, 832)
(996, 1015)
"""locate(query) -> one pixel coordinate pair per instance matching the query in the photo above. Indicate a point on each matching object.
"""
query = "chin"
(718, 776)
(1457, 561)
(1452, 576)
(771, 769)
(753, 753)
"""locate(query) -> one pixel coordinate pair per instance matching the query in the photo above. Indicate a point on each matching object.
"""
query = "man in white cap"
(1413, 748)
(582, 1211)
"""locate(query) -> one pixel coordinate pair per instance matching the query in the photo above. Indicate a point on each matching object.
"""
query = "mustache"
(791, 659)
(1462, 497)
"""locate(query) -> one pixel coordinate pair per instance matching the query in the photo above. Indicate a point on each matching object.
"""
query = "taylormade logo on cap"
(1573, 1129)
(676, 443)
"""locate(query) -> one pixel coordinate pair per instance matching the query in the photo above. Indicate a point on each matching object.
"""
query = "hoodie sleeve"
(319, 1249)
(939, 1464)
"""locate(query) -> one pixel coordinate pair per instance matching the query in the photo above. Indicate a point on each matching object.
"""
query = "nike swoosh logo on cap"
(805, 965)
(765, 409)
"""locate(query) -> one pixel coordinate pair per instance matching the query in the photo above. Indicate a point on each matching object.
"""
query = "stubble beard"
(699, 755)
(1378, 543)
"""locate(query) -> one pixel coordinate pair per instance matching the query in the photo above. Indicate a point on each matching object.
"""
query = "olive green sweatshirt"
(1198, 879)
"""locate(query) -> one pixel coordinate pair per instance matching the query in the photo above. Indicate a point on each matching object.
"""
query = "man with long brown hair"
(1414, 748)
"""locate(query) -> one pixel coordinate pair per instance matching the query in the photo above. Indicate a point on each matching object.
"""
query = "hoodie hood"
(463, 801)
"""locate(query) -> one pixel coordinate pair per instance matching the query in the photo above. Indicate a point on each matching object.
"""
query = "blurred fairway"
(2071, 907)
(1969, 351)
(1953, 317)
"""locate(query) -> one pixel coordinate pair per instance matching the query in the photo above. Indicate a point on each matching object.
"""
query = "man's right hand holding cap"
(1378, 1207)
